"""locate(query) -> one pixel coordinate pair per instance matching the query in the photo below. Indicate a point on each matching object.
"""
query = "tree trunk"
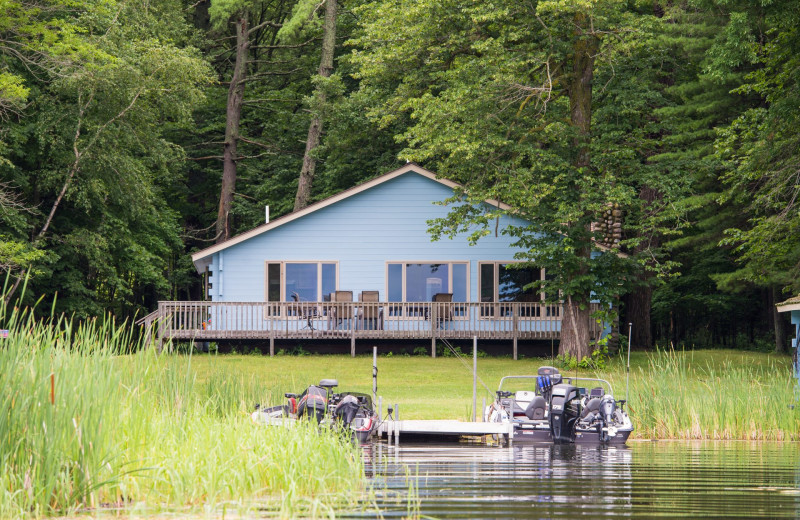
(233, 116)
(575, 322)
(777, 322)
(315, 128)
(575, 329)
(640, 300)
(638, 304)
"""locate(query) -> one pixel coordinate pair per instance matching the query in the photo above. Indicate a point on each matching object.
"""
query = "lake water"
(646, 479)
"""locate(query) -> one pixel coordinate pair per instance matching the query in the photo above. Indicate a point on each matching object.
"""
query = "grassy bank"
(707, 394)
(84, 427)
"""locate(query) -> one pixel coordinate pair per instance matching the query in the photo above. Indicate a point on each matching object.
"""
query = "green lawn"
(696, 394)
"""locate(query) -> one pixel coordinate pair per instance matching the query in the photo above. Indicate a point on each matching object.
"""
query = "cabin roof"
(202, 258)
(792, 304)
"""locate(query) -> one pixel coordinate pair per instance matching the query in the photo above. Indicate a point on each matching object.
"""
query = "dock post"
(433, 347)
(515, 347)
(396, 433)
(474, 378)
(352, 338)
(271, 344)
(374, 373)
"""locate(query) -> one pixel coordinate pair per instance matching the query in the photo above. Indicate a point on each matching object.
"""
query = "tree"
(307, 172)
(239, 13)
(91, 154)
(759, 151)
(503, 102)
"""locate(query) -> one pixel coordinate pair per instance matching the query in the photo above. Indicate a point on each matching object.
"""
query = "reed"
(89, 420)
(677, 396)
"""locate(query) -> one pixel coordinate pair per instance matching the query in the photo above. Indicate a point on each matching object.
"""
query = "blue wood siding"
(361, 233)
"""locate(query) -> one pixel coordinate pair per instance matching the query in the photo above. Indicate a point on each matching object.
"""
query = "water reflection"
(665, 479)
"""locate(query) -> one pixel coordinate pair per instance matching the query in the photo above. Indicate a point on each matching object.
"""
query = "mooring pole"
(628, 368)
(374, 374)
(474, 378)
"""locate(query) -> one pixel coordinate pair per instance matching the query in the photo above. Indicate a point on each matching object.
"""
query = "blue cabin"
(361, 265)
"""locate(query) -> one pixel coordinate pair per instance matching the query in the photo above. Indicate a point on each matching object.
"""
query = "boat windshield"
(529, 383)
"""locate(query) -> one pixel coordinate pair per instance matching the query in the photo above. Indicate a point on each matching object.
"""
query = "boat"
(352, 412)
(554, 408)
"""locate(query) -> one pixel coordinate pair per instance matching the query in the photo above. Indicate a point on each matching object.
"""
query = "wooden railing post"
(514, 326)
(352, 315)
(433, 316)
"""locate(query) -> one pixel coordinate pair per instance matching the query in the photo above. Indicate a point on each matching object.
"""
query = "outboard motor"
(564, 404)
(607, 408)
(312, 403)
(346, 410)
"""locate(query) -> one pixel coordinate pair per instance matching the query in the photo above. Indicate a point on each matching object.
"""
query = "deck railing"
(355, 320)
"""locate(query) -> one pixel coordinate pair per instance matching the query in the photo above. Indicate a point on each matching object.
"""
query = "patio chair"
(444, 313)
(370, 313)
(342, 312)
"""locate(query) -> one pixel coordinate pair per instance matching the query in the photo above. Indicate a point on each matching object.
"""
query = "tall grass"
(123, 427)
(675, 397)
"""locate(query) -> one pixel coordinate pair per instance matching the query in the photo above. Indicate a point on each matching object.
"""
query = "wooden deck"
(210, 321)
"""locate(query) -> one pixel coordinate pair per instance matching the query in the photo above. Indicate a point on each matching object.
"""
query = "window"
(310, 281)
(504, 282)
(418, 282)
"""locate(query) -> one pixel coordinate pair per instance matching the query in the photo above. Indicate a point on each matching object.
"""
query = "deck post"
(515, 327)
(433, 330)
(352, 335)
(160, 318)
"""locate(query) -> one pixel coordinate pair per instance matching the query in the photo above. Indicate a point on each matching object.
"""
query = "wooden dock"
(395, 431)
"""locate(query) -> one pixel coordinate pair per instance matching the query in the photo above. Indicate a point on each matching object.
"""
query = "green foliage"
(302, 22)
(597, 360)
(82, 426)
(759, 152)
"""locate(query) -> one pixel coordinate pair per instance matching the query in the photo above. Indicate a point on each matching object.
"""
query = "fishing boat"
(347, 411)
(551, 407)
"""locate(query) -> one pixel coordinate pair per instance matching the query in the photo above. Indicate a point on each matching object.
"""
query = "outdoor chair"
(444, 312)
(369, 314)
(342, 311)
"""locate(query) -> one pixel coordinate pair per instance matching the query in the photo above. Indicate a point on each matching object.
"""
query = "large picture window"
(420, 281)
(508, 282)
(308, 281)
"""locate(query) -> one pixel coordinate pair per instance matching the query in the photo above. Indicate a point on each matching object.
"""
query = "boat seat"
(523, 398)
(536, 408)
